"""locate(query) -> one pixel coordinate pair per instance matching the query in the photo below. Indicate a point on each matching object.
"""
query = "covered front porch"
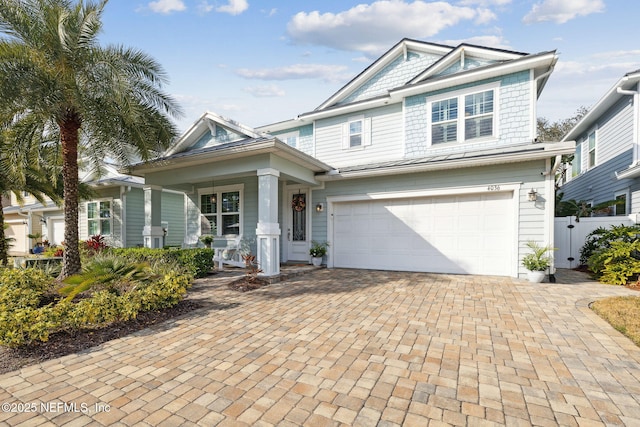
(258, 190)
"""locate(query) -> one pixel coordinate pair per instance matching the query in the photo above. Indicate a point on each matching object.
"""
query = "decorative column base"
(268, 248)
(153, 236)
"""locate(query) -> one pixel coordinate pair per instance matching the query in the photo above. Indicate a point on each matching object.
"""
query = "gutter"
(548, 150)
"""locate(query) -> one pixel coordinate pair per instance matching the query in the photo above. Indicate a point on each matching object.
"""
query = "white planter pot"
(536, 276)
(317, 261)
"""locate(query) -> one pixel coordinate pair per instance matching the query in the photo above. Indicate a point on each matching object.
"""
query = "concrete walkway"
(345, 347)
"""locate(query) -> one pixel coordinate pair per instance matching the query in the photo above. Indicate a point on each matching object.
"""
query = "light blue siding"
(514, 123)
(173, 215)
(135, 217)
(396, 74)
(305, 138)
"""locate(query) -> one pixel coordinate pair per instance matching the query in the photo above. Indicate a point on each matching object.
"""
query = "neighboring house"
(606, 165)
(116, 212)
(425, 161)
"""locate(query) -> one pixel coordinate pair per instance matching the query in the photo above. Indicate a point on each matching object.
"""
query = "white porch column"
(268, 229)
(152, 233)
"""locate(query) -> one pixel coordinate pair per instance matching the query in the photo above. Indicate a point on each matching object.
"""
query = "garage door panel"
(471, 234)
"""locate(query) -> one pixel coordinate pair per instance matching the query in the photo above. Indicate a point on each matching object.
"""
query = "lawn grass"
(623, 313)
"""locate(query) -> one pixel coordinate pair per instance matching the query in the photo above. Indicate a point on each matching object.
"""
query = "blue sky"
(260, 62)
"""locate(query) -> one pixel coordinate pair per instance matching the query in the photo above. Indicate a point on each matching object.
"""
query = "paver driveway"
(355, 348)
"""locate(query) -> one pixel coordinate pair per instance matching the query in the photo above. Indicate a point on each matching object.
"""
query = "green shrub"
(601, 238)
(198, 261)
(118, 294)
(617, 263)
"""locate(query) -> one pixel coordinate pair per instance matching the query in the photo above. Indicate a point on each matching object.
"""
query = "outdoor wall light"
(319, 207)
(533, 195)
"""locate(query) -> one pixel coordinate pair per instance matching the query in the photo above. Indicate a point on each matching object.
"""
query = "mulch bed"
(64, 343)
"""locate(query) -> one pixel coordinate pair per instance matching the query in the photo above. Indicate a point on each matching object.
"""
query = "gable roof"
(488, 63)
(629, 82)
(209, 122)
(443, 57)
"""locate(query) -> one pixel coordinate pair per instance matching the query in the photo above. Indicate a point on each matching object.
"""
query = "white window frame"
(617, 194)
(460, 95)
(365, 134)
(99, 219)
(591, 164)
(286, 137)
(219, 214)
(576, 163)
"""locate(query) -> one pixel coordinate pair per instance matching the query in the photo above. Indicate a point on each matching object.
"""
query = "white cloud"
(373, 28)
(268, 91)
(329, 73)
(484, 3)
(235, 7)
(561, 11)
(204, 7)
(167, 6)
(485, 16)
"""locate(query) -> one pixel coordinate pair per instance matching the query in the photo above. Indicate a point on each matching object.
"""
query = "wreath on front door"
(298, 202)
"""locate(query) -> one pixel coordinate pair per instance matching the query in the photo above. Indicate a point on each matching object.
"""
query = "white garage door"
(467, 234)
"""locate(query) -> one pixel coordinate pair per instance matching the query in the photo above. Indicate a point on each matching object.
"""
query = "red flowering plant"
(95, 244)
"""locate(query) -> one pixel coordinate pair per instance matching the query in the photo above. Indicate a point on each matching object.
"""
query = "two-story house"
(606, 164)
(426, 161)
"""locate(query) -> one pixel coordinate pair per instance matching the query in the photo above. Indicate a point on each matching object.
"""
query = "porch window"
(99, 218)
(221, 211)
(447, 125)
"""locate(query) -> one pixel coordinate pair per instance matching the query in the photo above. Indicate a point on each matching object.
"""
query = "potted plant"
(317, 251)
(207, 239)
(537, 262)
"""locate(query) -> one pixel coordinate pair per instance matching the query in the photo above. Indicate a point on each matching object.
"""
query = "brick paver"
(352, 347)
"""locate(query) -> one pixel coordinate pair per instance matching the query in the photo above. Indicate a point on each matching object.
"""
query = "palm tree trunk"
(69, 134)
(4, 256)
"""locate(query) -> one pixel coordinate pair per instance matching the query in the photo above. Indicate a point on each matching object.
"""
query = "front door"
(298, 226)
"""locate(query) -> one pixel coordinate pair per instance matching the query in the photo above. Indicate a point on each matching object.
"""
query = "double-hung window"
(576, 163)
(620, 208)
(463, 117)
(356, 132)
(99, 218)
(221, 211)
(592, 148)
(290, 138)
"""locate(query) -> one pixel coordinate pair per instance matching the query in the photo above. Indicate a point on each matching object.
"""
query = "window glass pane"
(355, 140)
(355, 127)
(444, 110)
(355, 133)
(231, 224)
(445, 132)
(208, 224)
(231, 202)
(105, 209)
(478, 103)
(105, 225)
(577, 160)
(206, 204)
(92, 210)
(478, 127)
(621, 209)
(299, 215)
(592, 141)
(93, 228)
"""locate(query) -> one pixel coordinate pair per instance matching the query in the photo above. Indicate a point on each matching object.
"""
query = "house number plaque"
(493, 188)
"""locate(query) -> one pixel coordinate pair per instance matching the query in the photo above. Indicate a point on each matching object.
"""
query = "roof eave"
(603, 104)
(544, 151)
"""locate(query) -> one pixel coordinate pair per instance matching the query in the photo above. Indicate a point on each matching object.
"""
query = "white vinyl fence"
(570, 236)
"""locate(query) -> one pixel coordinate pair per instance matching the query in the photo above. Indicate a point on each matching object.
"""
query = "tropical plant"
(207, 239)
(581, 209)
(601, 238)
(538, 259)
(107, 101)
(318, 249)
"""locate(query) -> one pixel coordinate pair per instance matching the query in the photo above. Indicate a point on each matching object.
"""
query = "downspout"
(549, 184)
(636, 119)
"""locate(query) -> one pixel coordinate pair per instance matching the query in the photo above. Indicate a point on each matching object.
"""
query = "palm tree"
(106, 100)
(32, 166)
